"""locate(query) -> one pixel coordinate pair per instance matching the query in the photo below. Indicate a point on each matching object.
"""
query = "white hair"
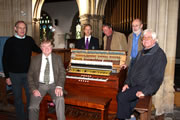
(153, 34)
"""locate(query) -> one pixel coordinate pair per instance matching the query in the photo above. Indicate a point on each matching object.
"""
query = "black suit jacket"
(93, 45)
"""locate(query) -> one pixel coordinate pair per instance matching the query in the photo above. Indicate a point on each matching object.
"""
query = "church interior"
(62, 22)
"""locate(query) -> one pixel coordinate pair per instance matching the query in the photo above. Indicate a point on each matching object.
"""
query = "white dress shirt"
(43, 65)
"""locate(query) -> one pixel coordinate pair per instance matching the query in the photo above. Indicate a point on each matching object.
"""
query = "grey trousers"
(35, 101)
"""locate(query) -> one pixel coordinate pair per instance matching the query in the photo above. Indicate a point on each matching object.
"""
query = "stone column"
(36, 8)
(96, 23)
(36, 30)
(162, 18)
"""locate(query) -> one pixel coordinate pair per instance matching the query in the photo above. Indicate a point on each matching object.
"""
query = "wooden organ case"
(96, 73)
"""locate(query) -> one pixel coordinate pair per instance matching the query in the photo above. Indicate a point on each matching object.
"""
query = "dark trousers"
(131, 64)
(19, 80)
(126, 102)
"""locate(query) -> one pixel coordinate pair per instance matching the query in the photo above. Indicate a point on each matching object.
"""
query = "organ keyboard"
(97, 73)
(86, 79)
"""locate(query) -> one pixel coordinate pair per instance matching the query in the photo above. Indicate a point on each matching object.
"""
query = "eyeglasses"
(146, 38)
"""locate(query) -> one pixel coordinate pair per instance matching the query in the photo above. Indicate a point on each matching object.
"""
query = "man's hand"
(140, 94)
(59, 92)
(36, 93)
(125, 87)
(8, 81)
(123, 66)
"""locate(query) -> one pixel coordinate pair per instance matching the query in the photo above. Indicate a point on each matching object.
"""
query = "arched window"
(46, 27)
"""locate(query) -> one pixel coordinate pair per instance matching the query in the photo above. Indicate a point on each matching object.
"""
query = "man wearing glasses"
(145, 76)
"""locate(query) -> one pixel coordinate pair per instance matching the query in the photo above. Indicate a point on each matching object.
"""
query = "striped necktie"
(46, 73)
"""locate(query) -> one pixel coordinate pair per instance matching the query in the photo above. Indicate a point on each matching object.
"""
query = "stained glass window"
(46, 26)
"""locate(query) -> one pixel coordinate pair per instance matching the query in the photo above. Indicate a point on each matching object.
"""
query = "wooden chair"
(144, 107)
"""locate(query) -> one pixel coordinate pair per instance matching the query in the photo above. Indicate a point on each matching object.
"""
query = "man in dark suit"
(46, 75)
(88, 42)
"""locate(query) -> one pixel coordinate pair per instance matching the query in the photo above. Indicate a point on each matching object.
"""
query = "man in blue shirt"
(134, 46)
(134, 41)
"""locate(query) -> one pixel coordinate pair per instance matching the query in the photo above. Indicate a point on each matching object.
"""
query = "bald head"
(137, 26)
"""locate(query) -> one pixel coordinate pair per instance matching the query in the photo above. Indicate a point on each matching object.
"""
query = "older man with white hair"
(145, 76)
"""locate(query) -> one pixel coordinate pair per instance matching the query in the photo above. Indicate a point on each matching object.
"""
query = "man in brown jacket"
(113, 40)
(134, 41)
(46, 75)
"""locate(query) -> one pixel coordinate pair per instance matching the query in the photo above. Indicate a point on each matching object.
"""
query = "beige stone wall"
(12, 11)
(162, 18)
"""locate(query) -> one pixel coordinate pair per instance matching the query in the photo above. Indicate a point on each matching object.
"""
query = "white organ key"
(85, 78)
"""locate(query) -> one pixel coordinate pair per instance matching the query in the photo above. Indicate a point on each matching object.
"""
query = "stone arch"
(73, 25)
(36, 13)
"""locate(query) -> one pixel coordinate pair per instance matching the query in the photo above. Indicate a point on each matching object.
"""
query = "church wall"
(12, 11)
(64, 12)
(162, 18)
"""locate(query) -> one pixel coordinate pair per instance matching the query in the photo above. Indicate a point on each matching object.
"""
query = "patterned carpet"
(78, 114)
(8, 113)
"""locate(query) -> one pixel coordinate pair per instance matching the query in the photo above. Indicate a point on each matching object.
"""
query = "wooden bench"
(82, 101)
(144, 107)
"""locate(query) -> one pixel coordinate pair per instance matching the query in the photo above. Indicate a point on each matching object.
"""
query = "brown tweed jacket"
(140, 46)
(34, 71)
(118, 42)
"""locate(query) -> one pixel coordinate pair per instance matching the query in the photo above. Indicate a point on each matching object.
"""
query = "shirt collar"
(89, 37)
(17, 36)
(136, 35)
(44, 57)
(153, 49)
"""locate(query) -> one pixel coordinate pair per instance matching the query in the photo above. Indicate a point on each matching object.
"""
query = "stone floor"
(170, 116)
(175, 115)
(8, 113)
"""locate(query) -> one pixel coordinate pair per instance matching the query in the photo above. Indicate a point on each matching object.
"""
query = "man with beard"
(134, 41)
